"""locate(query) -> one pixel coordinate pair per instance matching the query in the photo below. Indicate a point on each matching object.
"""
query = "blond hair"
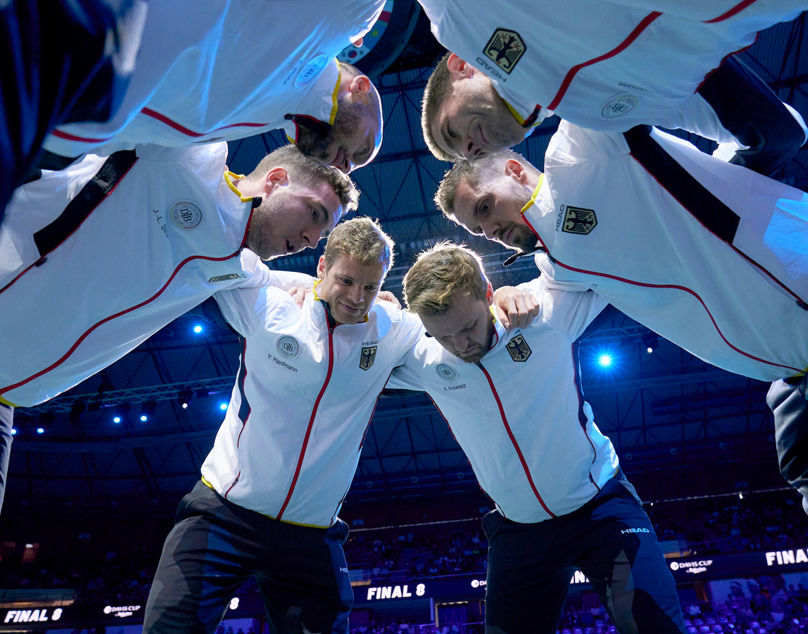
(361, 239)
(439, 274)
(472, 172)
(310, 172)
(437, 88)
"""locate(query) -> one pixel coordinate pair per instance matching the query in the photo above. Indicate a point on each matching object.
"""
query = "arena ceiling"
(681, 427)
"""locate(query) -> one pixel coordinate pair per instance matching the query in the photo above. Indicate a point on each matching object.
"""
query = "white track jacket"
(519, 413)
(304, 396)
(605, 65)
(226, 69)
(84, 281)
(712, 256)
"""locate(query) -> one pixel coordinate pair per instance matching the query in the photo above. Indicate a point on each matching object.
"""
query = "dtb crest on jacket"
(579, 220)
(505, 49)
(288, 346)
(186, 215)
(367, 357)
(518, 349)
(446, 372)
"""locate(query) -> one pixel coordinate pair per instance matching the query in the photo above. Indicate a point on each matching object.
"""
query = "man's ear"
(321, 267)
(489, 294)
(516, 171)
(276, 177)
(459, 67)
(360, 85)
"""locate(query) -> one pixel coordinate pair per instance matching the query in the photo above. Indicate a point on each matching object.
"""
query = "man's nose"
(471, 151)
(311, 237)
(347, 165)
(355, 294)
(462, 343)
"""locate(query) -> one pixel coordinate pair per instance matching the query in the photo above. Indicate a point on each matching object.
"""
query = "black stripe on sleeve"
(692, 195)
(90, 196)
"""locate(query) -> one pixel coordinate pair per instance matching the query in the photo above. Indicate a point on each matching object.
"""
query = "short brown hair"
(441, 272)
(307, 170)
(361, 239)
(437, 88)
(350, 70)
(471, 172)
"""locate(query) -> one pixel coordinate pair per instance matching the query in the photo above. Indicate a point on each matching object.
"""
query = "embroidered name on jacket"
(579, 220)
(518, 349)
(505, 49)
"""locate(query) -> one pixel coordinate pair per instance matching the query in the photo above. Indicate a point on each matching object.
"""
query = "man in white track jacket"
(513, 402)
(712, 256)
(96, 258)
(285, 455)
(209, 70)
(606, 65)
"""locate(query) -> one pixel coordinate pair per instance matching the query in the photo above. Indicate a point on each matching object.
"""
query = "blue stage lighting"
(147, 410)
(13, 431)
(223, 406)
(40, 430)
(605, 360)
(116, 419)
(198, 328)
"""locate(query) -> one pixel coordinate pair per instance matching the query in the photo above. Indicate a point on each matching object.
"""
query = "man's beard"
(313, 143)
(320, 145)
(483, 350)
(522, 237)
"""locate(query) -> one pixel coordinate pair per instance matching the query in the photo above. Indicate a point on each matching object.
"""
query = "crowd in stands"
(767, 605)
(698, 527)
(403, 627)
(734, 524)
(428, 551)
(113, 564)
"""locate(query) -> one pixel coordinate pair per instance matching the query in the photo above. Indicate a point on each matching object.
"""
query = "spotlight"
(40, 430)
(198, 329)
(147, 411)
(223, 406)
(650, 341)
(184, 398)
(605, 360)
(120, 413)
(13, 431)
